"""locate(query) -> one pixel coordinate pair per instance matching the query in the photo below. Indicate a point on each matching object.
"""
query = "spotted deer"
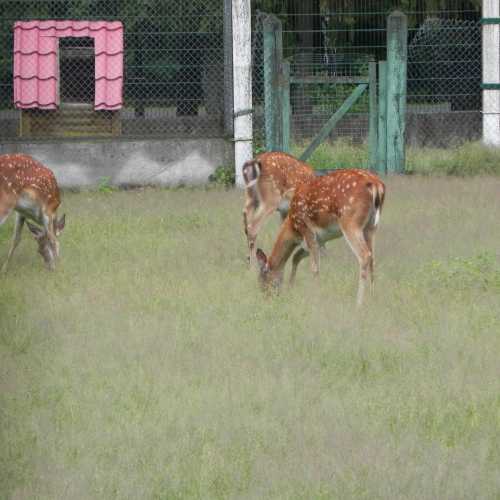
(30, 189)
(270, 182)
(343, 203)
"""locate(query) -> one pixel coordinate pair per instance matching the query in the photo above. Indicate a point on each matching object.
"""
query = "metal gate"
(295, 85)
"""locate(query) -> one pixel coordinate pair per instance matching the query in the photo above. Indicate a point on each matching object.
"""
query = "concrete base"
(166, 162)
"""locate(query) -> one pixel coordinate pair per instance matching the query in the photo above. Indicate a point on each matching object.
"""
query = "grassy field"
(467, 159)
(149, 366)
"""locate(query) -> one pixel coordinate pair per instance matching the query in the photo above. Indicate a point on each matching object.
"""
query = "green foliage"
(104, 185)
(340, 154)
(328, 98)
(223, 176)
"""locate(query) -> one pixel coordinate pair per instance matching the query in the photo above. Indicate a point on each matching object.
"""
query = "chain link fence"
(169, 78)
(337, 39)
(321, 80)
(176, 73)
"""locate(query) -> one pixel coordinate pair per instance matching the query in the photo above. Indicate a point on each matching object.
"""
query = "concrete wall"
(166, 162)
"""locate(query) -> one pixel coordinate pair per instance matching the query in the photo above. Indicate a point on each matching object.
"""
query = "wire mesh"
(337, 38)
(173, 77)
(321, 88)
(444, 81)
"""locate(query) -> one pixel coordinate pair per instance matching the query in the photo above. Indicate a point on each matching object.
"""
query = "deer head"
(269, 279)
(48, 246)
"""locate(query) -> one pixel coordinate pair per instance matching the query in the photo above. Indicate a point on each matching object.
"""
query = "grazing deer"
(270, 181)
(343, 203)
(30, 189)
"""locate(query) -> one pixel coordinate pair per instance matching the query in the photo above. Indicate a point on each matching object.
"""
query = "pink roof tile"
(36, 61)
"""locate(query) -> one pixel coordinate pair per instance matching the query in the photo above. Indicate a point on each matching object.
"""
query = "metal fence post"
(397, 35)
(228, 68)
(273, 56)
(285, 106)
(242, 85)
(372, 125)
(491, 71)
(382, 118)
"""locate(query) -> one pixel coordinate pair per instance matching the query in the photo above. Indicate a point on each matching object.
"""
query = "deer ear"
(60, 224)
(35, 230)
(262, 260)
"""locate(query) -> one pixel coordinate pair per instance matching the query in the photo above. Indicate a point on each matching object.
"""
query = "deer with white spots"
(31, 190)
(343, 203)
(270, 182)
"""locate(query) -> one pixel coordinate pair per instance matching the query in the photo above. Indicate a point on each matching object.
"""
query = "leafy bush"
(223, 176)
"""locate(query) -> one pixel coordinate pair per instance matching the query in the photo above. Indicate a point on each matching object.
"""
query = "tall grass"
(468, 159)
(150, 366)
(471, 158)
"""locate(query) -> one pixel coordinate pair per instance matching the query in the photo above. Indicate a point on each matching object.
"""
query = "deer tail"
(251, 173)
(377, 190)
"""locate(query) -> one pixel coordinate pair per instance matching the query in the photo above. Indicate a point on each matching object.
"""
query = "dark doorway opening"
(77, 70)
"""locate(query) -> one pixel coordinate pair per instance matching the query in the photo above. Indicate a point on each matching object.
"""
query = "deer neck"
(29, 207)
(285, 244)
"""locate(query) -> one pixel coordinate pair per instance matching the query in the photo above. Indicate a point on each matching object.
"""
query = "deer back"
(281, 171)
(340, 195)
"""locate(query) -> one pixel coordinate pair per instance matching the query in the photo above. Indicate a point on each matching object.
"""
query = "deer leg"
(369, 233)
(297, 257)
(245, 228)
(15, 240)
(253, 227)
(322, 250)
(5, 209)
(48, 224)
(356, 239)
(313, 247)
(3, 217)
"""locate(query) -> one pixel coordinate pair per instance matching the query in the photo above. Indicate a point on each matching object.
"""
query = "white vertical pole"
(491, 74)
(242, 85)
(228, 68)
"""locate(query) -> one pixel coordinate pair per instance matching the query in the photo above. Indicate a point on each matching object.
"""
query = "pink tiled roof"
(36, 61)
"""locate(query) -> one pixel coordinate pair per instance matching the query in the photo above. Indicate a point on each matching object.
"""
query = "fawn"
(343, 203)
(31, 190)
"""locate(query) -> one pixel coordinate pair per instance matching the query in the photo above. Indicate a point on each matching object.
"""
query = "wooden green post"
(397, 35)
(273, 56)
(285, 107)
(382, 119)
(372, 120)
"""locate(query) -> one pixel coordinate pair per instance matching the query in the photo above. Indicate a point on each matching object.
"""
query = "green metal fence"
(338, 39)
